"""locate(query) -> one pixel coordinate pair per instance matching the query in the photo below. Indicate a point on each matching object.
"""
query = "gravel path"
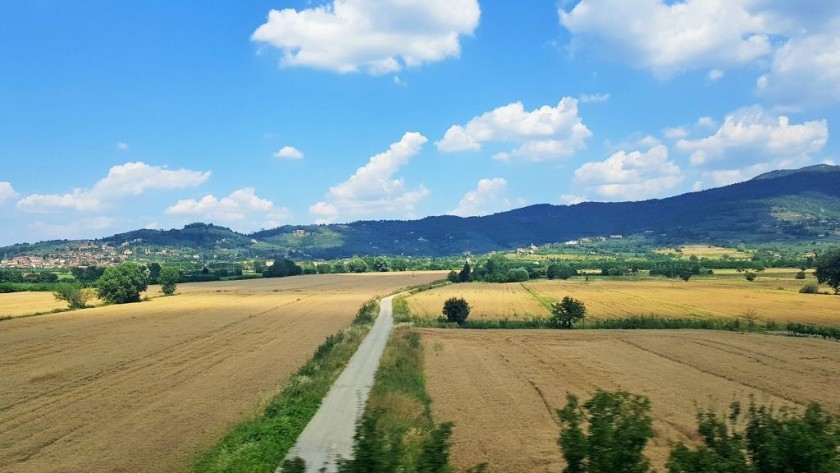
(329, 435)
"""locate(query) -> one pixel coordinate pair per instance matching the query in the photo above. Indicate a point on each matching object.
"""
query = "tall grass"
(260, 444)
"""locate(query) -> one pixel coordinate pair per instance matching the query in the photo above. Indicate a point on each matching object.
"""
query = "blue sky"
(123, 115)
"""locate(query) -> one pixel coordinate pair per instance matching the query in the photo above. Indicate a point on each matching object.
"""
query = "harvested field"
(143, 387)
(718, 297)
(502, 388)
(15, 304)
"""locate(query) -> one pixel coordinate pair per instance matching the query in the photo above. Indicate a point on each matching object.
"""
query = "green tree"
(828, 269)
(281, 268)
(606, 434)
(566, 313)
(123, 283)
(74, 294)
(357, 265)
(452, 277)
(380, 264)
(456, 309)
(168, 278)
(560, 271)
(464, 275)
(518, 275)
(154, 272)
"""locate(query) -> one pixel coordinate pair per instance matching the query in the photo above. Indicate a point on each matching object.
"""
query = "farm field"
(722, 296)
(504, 404)
(15, 304)
(144, 387)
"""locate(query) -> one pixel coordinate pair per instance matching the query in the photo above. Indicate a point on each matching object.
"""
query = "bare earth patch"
(143, 387)
(502, 388)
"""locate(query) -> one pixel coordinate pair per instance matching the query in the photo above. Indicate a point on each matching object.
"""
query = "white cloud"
(374, 36)
(289, 152)
(676, 133)
(122, 146)
(81, 228)
(7, 192)
(633, 176)
(805, 71)
(572, 199)
(751, 134)
(715, 74)
(706, 122)
(670, 37)
(129, 179)
(242, 206)
(372, 189)
(489, 197)
(543, 134)
(594, 98)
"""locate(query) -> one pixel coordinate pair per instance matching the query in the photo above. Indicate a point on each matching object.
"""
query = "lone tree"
(456, 309)
(281, 268)
(617, 428)
(828, 269)
(560, 271)
(168, 278)
(74, 294)
(566, 313)
(123, 283)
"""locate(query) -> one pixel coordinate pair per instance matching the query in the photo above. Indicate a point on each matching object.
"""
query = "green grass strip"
(260, 444)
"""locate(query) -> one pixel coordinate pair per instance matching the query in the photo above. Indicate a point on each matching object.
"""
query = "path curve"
(329, 435)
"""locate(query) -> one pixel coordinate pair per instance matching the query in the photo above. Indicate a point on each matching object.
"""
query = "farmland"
(501, 388)
(143, 387)
(772, 296)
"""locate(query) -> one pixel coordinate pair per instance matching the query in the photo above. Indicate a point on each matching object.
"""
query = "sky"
(116, 116)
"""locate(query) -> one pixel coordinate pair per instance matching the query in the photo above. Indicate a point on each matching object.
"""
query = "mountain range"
(779, 206)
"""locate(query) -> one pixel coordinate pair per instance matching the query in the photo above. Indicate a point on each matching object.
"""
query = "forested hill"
(780, 206)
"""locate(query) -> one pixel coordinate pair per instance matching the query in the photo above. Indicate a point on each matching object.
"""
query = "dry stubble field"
(725, 296)
(143, 387)
(502, 388)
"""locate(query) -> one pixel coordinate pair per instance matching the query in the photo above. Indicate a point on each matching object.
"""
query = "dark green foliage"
(607, 434)
(828, 269)
(452, 277)
(771, 442)
(464, 275)
(560, 271)
(749, 276)
(456, 310)
(154, 272)
(72, 293)
(380, 265)
(566, 313)
(831, 333)
(87, 275)
(168, 278)
(518, 275)
(800, 275)
(357, 265)
(123, 283)
(809, 288)
(282, 267)
(367, 313)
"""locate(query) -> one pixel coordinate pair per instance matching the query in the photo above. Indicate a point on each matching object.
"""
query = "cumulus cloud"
(669, 37)
(372, 189)
(129, 179)
(242, 206)
(635, 175)
(489, 197)
(543, 134)
(7, 192)
(805, 71)
(373, 36)
(289, 152)
(752, 133)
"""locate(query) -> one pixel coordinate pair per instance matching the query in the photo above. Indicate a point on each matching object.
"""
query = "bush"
(800, 275)
(456, 309)
(518, 275)
(560, 271)
(749, 276)
(452, 277)
(566, 313)
(810, 288)
(607, 434)
(74, 294)
(168, 277)
(122, 284)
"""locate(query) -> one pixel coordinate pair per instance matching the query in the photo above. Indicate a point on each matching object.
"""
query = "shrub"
(800, 275)
(456, 309)
(518, 275)
(749, 276)
(168, 278)
(74, 294)
(560, 271)
(452, 277)
(566, 313)
(810, 288)
(607, 434)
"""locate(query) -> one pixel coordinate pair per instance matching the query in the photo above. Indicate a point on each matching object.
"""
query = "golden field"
(143, 387)
(502, 388)
(774, 295)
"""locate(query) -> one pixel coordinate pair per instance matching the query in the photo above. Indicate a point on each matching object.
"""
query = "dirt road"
(329, 435)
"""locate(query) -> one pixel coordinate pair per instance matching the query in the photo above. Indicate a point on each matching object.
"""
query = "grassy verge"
(260, 444)
(397, 432)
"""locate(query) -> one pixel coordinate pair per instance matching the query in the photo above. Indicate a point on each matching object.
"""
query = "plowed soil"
(143, 387)
(502, 388)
